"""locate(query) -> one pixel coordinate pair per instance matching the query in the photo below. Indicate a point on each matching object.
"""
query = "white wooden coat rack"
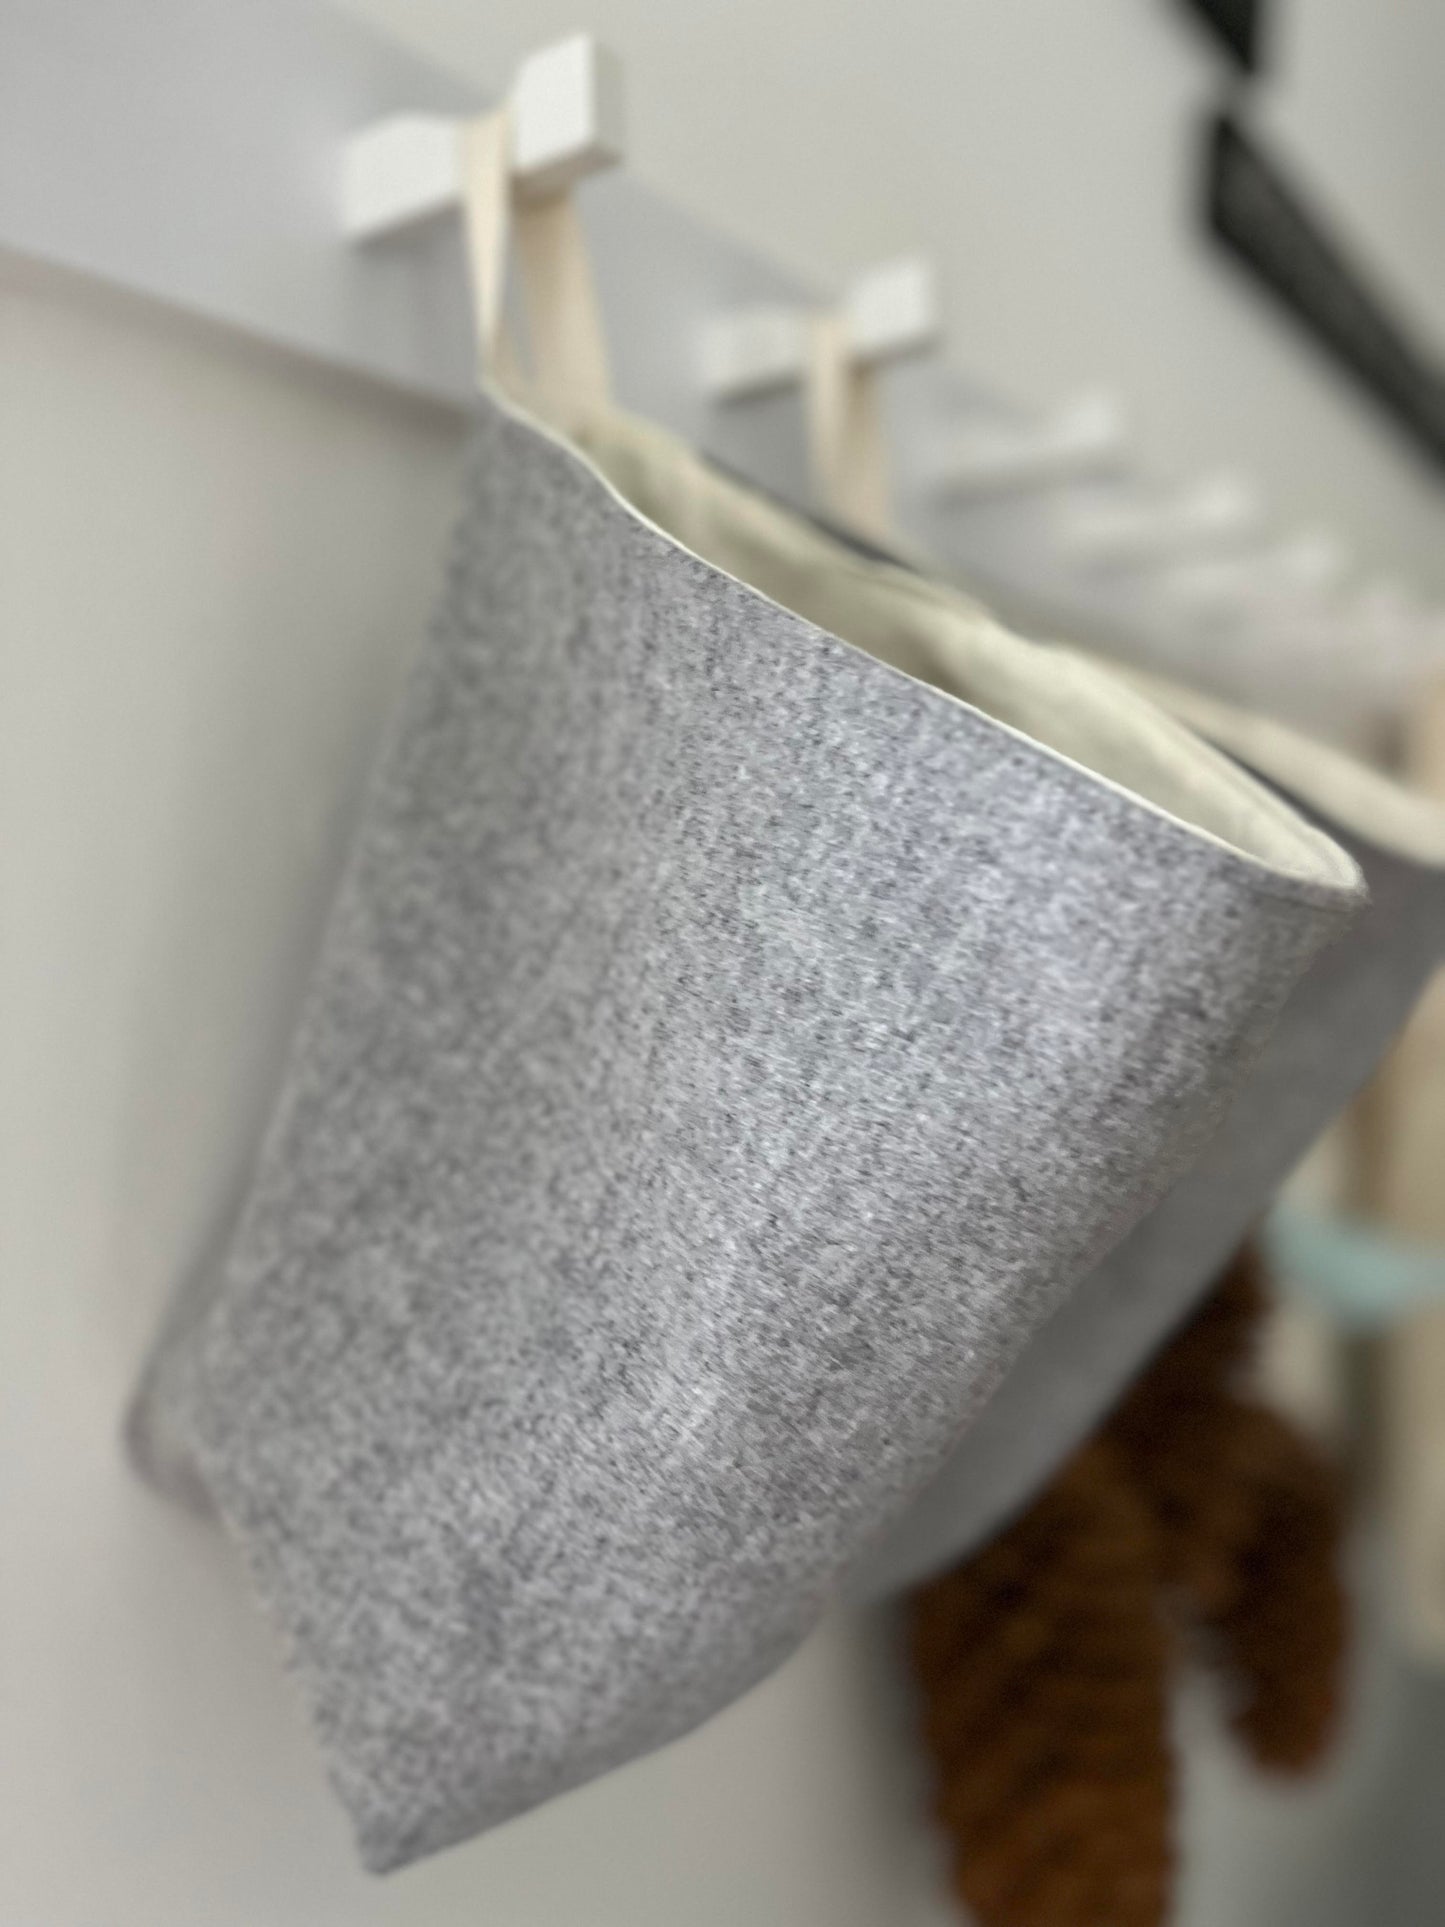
(280, 169)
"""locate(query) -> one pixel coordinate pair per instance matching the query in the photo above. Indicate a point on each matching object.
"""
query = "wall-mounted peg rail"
(277, 168)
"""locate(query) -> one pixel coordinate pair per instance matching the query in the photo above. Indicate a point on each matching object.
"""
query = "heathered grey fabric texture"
(725, 1050)
(1333, 1033)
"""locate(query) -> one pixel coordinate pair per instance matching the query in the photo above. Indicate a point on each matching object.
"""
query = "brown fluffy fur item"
(1197, 1523)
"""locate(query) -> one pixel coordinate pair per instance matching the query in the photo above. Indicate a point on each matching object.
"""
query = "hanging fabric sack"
(1335, 1030)
(726, 1047)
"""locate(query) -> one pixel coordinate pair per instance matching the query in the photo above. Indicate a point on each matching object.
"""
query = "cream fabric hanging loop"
(846, 446)
(486, 215)
(568, 359)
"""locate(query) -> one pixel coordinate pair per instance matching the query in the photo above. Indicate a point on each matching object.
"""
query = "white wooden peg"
(1310, 564)
(567, 122)
(889, 312)
(893, 310)
(1087, 436)
(1303, 569)
(1143, 534)
(568, 115)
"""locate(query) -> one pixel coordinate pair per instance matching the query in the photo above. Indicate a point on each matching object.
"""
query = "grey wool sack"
(726, 1048)
(1335, 1028)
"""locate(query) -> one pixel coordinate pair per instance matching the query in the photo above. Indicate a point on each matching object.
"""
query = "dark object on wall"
(1262, 218)
(1238, 24)
(1197, 1524)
